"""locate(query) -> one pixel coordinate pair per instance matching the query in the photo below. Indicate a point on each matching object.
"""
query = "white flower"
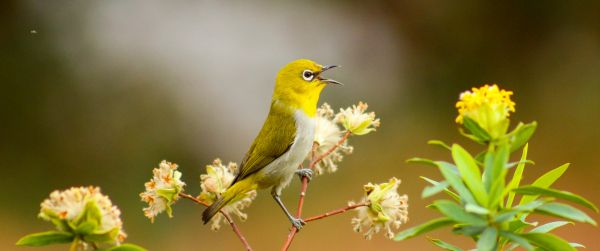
(162, 190)
(327, 135)
(355, 120)
(217, 179)
(69, 208)
(386, 209)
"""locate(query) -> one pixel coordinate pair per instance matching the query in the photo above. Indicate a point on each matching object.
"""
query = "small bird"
(285, 139)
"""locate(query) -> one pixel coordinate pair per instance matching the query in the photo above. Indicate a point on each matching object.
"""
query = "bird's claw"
(298, 223)
(305, 172)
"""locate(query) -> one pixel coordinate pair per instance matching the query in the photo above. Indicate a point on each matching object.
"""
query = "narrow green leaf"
(423, 228)
(124, 247)
(488, 240)
(549, 226)
(548, 241)
(508, 214)
(470, 173)
(458, 213)
(545, 181)
(439, 143)
(444, 245)
(424, 161)
(432, 190)
(476, 130)
(521, 135)
(498, 176)
(517, 240)
(472, 208)
(45, 238)
(455, 181)
(533, 190)
(472, 231)
(516, 179)
(566, 212)
(576, 245)
(446, 190)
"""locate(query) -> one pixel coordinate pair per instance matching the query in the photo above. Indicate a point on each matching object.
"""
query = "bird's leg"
(305, 172)
(297, 222)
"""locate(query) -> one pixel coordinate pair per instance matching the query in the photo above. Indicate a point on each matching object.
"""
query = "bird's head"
(300, 83)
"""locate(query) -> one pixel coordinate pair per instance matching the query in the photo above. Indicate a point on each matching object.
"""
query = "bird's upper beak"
(328, 80)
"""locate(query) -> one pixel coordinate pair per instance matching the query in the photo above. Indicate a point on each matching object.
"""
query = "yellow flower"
(162, 190)
(217, 179)
(489, 106)
(386, 209)
(355, 120)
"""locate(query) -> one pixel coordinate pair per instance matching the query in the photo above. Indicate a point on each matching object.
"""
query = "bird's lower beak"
(328, 80)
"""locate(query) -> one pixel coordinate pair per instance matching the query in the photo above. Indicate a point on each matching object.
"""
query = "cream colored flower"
(387, 209)
(68, 208)
(355, 120)
(162, 190)
(327, 135)
(217, 179)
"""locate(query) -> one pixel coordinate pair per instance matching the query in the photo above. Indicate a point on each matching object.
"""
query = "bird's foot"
(305, 172)
(298, 223)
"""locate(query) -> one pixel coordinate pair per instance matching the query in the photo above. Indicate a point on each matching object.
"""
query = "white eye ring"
(308, 75)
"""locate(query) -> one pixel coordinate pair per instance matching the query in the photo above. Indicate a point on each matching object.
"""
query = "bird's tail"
(232, 194)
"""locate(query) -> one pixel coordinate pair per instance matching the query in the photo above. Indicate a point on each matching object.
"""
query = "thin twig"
(313, 162)
(334, 212)
(234, 226)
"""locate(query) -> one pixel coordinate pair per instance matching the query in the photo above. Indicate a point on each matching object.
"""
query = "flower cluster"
(356, 120)
(488, 106)
(327, 135)
(162, 190)
(386, 209)
(217, 179)
(84, 211)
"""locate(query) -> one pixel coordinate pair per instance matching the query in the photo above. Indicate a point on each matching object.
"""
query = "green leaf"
(86, 227)
(566, 212)
(444, 245)
(476, 130)
(440, 144)
(124, 247)
(453, 178)
(533, 190)
(45, 238)
(472, 208)
(508, 214)
(102, 237)
(521, 135)
(548, 241)
(458, 213)
(446, 190)
(545, 181)
(417, 160)
(487, 240)
(549, 226)
(518, 240)
(468, 230)
(516, 179)
(498, 176)
(470, 173)
(423, 228)
(432, 190)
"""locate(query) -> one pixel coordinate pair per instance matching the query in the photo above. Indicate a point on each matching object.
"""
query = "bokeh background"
(98, 92)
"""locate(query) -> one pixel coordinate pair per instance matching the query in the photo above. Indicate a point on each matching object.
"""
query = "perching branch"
(314, 160)
(234, 226)
(335, 212)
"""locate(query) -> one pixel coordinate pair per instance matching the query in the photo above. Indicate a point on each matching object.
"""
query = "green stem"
(74, 244)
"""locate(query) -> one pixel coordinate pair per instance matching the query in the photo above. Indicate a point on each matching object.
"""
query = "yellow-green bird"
(285, 139)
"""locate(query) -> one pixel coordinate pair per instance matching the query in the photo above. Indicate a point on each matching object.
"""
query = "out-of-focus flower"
(327, 135)
(386, 209)
(86, 210)
(217, 179)
(489, 106)
(355, 120)
(162, 190)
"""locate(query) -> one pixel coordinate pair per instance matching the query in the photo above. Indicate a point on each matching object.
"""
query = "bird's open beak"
(327, 80)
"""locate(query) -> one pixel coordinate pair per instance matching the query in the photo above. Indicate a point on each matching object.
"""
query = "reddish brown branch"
(234, 226)
(334, 212)
(313, 162)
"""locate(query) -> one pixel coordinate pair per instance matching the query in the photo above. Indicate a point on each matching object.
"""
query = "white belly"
(281, 171)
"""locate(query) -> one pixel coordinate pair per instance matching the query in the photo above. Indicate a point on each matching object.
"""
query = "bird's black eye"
(308, 75)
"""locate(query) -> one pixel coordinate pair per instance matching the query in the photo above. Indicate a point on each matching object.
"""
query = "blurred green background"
(98, 92)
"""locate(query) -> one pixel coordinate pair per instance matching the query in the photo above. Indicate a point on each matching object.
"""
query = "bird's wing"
(275, 139)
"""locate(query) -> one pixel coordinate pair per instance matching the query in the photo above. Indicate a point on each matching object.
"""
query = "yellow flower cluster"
(471, 102)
